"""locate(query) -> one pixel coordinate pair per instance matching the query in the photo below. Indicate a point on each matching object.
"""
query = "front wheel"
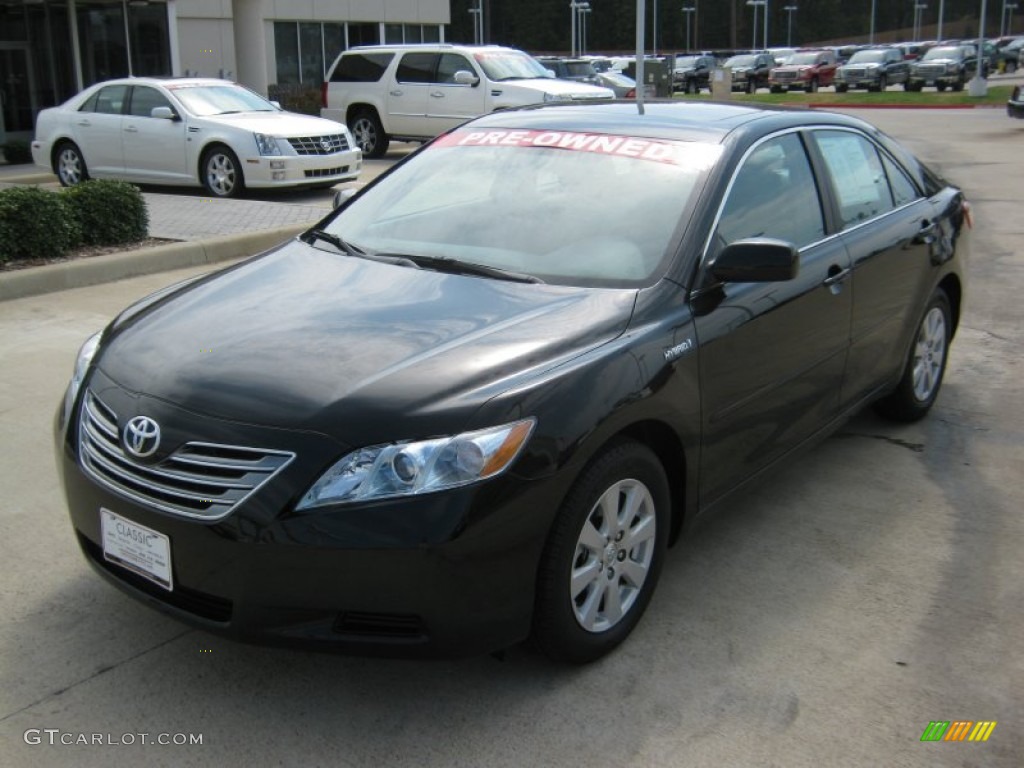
(925, 366)
(751, 86)
(842, 87)
(812, 87)
(882, 84)
(958, 85)
(691, 87)
(604, 555)
(222, 173)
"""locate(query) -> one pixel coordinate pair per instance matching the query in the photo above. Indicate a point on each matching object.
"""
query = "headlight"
(82, 363)
(407, 469)
(267, 145)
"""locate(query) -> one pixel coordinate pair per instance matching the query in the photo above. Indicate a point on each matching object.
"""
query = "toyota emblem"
(141, 437)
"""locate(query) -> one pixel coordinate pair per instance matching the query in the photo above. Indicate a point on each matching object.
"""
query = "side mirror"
(757, 260)
(164, 113)
(551, 72)
(342, 196)
(276, 103)
(465, 77)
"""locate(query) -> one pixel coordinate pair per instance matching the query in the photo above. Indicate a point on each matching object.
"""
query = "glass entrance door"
(16, 93)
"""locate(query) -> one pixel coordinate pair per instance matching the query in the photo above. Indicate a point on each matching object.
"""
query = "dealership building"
(51, 49)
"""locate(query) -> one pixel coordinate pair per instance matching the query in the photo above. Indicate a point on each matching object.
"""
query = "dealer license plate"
(139, 549)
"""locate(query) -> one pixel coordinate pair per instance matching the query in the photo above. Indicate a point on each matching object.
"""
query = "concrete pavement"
(208, 230)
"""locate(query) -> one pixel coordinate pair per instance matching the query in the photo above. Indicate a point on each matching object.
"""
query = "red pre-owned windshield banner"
(675, 153)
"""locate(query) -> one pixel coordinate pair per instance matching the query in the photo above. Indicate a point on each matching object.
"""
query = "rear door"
(407, 95)
(97, 129)
(449, 103)
(888, 227)
(772, 355)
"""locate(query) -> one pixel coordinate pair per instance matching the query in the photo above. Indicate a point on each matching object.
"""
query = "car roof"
(662, 120)
(164, 81)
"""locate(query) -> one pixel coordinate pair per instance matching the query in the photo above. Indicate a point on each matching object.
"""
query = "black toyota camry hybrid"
(478, 402)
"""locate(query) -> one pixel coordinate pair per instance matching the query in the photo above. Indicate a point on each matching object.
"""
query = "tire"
(882, 84)
(912, 87)
(940, 87)
(775, 89)
(221, 173)
(812, 87)
(580, 619)
(751, 86)
(1011, 67)
(369, 133)
(842, 88)
(69, 165)
(925, 366)
(958, 85)
(691, 87)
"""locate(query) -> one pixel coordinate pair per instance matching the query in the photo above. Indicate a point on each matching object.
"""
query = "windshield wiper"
(456, 267)
(354, 250)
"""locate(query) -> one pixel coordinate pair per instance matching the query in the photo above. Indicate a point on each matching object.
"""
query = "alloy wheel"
(929, 353)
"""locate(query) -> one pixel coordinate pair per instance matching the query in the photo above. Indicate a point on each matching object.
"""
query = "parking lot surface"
(823, 617)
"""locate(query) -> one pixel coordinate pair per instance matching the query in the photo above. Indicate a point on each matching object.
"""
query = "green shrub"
(294, 97)
(109, 212)
(35, 223)
(17, 152)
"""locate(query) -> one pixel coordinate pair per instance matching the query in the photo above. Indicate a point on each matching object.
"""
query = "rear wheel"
(1011, 67)
(751, 86)
(691, 87)
(812, 87)
(369, 133)
(958, 85)
(842, 87)
(940, 87)
(70, 165)
(776, 89)
(925, 365)
(603, 557)
(882, 84)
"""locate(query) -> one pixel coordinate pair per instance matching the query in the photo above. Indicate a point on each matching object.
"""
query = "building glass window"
(286, 49)
(413, 33)
(363, 34)
(149, 40)
(393, 34)
(431, 33)
(334, 43)
(311, 48)
(102, 41)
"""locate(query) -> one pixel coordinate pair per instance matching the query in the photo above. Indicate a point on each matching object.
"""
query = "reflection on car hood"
(559, 87)
(306, 339)
(278, 123)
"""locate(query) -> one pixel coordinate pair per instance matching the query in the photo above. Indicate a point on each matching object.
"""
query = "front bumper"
(302, 170)
(449, 574)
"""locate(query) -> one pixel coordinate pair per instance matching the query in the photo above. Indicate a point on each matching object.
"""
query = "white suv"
(415, 92)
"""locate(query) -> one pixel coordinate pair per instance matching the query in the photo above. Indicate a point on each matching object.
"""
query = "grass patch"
(997, 95)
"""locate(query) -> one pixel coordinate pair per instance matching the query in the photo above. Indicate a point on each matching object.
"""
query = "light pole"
(688, 10)
(654, 26)
(584, 10)
(871, 32)
(755, 4)
(790, 10)
(942, 12)
(1010, 8)
(919, 9)
(478, 23)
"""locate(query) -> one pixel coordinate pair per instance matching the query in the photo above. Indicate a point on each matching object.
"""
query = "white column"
(250, 45)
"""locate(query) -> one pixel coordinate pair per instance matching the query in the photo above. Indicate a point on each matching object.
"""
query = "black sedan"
(477, 404)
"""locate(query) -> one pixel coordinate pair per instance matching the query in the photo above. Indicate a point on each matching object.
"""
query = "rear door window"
(858, 176)
(417, 68)
(361, 67)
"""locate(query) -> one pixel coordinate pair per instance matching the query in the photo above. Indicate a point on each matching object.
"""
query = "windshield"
(741, 61)
(867, 57)
(509, 65)
(684, 62)
(204, 100)
(579, 69)
(617, 78)
(523, 201)
(803, 58)
(944, 53)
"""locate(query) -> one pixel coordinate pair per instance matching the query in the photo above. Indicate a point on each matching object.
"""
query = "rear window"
(361, 67)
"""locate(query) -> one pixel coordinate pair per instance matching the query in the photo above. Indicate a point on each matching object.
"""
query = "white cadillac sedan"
(191, 131)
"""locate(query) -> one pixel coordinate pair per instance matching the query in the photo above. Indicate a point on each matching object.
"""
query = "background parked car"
(806, 70)
(945, 66)
(622, 85)
(190, 131)
(415, 92)
(750, 71)
(1015, 105)
(1008, 54)
(692, 73)
(577, 70)
(874, 69)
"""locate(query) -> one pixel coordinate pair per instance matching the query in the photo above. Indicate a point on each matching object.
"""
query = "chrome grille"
(785, 75)
(854, 72)
(201, 480)
(931, 70)
(319, 145)
(318, 173)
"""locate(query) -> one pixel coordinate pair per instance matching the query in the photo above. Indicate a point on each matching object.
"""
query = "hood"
(557, 87)
(278, 123)
(307, 339)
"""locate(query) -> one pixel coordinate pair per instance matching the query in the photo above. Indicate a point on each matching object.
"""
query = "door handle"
(131, 129)
(396, 92)
(926, 234)
(84, 122)
(437, 94)
(836, 275)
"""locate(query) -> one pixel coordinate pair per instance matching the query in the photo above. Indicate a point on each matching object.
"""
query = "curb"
(29, 177)
(820, 105)
(95, 270)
